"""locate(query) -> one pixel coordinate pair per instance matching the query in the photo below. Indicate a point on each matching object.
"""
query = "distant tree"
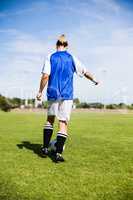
(90, 105)
(130, 107)
(45, 104)
(31, 101)
(76, 101)
(5, 105)
(16, 102)
(83, 105)
(122, 105)
(112, 106)
(96, 105)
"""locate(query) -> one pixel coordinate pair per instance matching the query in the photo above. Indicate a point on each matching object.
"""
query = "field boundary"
(91, 110)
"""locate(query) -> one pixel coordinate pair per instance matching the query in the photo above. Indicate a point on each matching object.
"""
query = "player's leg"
(47, 134)
(48, 127)
(48, 131)
(63, 116)
(63, 124)
(61, 136)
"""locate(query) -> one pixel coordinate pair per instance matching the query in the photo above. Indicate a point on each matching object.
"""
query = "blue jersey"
(60, 84)
(60, 66)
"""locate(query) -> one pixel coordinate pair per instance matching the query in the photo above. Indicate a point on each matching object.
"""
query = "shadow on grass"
(35, 148)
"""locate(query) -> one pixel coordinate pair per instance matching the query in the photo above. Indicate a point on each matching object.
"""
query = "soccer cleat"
(59, 158)
(44, 152)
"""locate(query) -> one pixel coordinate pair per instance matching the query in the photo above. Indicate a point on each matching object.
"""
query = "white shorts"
(60, 109)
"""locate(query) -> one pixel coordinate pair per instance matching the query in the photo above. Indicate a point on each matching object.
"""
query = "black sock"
(61, 138)
(47, 133)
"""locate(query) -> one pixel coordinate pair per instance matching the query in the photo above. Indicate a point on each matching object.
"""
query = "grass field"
(99, 159)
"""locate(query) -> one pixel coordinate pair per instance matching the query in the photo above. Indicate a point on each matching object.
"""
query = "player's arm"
(45, 77)
(43, 82)
(81, 70)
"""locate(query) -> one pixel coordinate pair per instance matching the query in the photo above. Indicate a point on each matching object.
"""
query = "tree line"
(6, 104)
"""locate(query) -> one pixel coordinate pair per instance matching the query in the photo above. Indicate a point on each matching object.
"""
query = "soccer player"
(58, 72)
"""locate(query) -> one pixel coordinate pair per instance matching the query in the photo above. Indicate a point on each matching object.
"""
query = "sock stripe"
(48, 127)
(62, 135)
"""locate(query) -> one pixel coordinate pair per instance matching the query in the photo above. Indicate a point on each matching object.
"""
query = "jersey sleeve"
(47, 66)
(79, 67)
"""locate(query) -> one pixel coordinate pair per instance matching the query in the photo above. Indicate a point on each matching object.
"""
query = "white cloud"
(23, 43)
(26, 46)
(123, 37)
(109, 5)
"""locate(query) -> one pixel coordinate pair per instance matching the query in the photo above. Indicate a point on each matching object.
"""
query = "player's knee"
(64, 122)
(49, 124)
(50, 120)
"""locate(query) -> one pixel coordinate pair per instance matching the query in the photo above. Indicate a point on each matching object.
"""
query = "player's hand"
(95, 82)
(39, 96)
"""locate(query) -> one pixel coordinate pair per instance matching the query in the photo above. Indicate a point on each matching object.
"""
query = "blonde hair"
(62, 41)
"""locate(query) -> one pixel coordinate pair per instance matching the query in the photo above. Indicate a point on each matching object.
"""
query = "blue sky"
(100, 34)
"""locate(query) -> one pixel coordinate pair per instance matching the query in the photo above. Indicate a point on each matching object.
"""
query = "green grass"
(99, 159)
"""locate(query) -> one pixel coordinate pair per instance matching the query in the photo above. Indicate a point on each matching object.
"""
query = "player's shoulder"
(69, 54)
(53, 55)
(49, 54)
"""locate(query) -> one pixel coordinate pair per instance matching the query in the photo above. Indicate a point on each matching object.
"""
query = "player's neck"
(61, 48)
